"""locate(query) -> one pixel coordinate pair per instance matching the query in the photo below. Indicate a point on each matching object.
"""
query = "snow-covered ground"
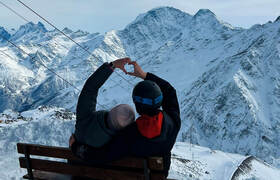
(196, 162)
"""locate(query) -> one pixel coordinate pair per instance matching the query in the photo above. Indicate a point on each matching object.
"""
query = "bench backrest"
(127, 168)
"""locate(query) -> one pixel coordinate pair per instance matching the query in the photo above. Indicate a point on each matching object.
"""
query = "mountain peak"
(4, 33)
(163, 8)
(161, 15)
(41, 26)
(28, 28)
(67, 30)
(205, 13)
(207, 17)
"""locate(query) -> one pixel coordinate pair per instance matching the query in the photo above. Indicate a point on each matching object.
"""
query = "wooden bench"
(125, 169)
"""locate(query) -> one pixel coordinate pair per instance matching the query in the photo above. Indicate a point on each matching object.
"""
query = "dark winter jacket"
(129, 142)
(91, 128)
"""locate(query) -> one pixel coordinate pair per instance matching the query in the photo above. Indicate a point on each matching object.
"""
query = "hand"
(120, 63)
(138, 72)
(71, 140)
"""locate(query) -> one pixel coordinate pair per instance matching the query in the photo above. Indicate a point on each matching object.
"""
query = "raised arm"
(170, 101)
(87, 99)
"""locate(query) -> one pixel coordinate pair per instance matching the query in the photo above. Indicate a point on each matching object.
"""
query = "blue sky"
(105, 15)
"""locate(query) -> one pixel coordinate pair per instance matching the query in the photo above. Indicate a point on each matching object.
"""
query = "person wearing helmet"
(96, 128)
(159, 123)
(155, 130)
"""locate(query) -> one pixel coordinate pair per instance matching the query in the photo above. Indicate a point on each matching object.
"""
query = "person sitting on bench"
(154, 132)
(96, 128)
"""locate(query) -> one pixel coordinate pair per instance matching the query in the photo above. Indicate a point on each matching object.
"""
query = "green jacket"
(91, 127)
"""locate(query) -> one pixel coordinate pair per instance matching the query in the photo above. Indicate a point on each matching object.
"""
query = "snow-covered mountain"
(227, 78)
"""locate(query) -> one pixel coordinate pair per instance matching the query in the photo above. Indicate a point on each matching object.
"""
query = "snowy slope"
(53, 126)
(237, 100)
(227, 78)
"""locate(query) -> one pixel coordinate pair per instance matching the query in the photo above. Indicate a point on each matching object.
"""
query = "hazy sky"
(105, 15)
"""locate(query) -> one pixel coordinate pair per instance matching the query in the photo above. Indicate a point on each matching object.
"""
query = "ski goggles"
(148, 101)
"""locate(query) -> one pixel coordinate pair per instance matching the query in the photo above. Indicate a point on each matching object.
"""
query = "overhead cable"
(25, 19)
(48, 22)
(45, 66)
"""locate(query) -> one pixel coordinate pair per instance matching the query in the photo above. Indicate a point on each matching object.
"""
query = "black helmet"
(147, 97)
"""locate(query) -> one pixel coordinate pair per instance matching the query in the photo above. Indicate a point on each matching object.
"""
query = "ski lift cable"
(25, 19)
(33, 58)
(13, 11)
(103, 106)
(91, 54)
(3, 52)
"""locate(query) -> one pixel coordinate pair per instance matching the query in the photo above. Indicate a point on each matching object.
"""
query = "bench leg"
(146, 170)
(28, 163)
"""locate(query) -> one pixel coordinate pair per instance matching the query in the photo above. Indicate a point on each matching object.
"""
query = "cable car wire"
(46, 67)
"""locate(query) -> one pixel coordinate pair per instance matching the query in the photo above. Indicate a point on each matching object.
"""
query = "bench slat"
(48, 151)
(41, 175)
(154, 163)
(84, 171)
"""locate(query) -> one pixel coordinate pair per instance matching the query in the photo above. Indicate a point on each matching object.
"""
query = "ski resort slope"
(53, 126)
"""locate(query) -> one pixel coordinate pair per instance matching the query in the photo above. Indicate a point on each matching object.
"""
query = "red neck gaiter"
(150, 126)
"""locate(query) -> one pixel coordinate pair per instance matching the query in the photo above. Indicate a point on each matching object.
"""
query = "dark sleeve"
(170, 101)
(87, 99)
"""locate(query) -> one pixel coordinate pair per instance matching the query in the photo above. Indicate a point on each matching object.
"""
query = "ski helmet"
(147, 97)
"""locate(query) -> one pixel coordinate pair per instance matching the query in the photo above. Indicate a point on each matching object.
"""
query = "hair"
(120, 116)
